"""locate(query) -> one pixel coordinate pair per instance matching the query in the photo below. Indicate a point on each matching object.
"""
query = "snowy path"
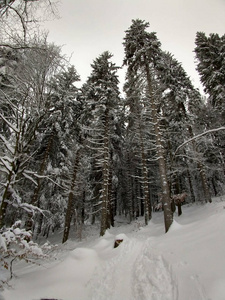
(153, 277)
(110, 281)
(134, 273)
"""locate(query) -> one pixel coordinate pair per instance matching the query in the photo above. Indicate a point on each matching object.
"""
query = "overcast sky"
(87, 28)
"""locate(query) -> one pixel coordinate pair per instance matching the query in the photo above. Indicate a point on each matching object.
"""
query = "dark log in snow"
(117, 242)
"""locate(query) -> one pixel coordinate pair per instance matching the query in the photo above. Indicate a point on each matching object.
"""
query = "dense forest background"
(72, 155)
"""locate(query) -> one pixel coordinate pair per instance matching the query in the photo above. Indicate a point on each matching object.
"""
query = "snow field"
(187, 263)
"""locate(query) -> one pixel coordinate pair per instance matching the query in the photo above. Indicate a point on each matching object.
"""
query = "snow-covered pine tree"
(210, 54)
(142, 53)
(137, 137)
(178, 91)
(101, 94)
(57, 140)
(174, 85)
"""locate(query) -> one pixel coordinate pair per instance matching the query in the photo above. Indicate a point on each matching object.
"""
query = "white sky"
(89, 27)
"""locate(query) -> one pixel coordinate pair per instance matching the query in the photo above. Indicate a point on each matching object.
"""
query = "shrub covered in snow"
(16, 243)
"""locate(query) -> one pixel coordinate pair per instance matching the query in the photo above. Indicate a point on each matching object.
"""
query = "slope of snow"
(187, 263)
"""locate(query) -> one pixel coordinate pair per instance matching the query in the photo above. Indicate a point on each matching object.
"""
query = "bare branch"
(4, 7)
(22, 22)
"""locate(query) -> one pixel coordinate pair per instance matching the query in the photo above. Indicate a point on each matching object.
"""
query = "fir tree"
(210, 54)
(142, 53)
(101, 94)
(178, 94)
(137, 137)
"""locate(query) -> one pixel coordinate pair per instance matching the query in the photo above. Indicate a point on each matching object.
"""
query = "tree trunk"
(83, 208)
(190, 184)
(168, 215)
(4, 203)
(70, 204)
(179, 209)
(129, 191)
(146, 195)
(110, 218)
(204, 183)
(201, 172)
(105, 174)
(144, 170)
(39, 225)
(13, 173)
(34, 201)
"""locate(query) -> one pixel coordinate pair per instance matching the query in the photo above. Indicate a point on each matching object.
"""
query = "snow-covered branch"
(198, 136)
(7, 145)
(16, 243)
(15, 129)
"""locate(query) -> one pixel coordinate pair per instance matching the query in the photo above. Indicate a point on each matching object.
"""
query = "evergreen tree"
(178, 94)
(210, 54)
(137, 137)
(59, 139)
(142, 53)
(101, 94)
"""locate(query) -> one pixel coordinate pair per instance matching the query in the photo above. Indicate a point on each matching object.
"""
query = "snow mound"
(175, 226)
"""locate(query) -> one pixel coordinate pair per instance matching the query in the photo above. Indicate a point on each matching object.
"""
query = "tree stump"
(117, 242)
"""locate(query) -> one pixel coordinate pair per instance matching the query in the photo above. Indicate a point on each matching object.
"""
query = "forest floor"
(187, 263)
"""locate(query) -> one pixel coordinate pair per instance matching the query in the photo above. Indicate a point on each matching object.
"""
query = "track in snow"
(152, 277)
(133, 273)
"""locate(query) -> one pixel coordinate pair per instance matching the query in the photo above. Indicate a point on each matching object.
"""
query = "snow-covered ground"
(187, 263)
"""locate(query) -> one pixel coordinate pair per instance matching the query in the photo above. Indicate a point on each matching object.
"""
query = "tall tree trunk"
(39, 225)
(201, 171)
(6, 195)
(139, 192)
(168, 214)
(34, 201)
(179, 209)
(13, 173)
(83, 208)
(199, 164)
(105, 174)
(190, 185)
(144, 170)
(129, 192)
(70, 204)
(146, 195)
(111, 201)
(204, 182)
